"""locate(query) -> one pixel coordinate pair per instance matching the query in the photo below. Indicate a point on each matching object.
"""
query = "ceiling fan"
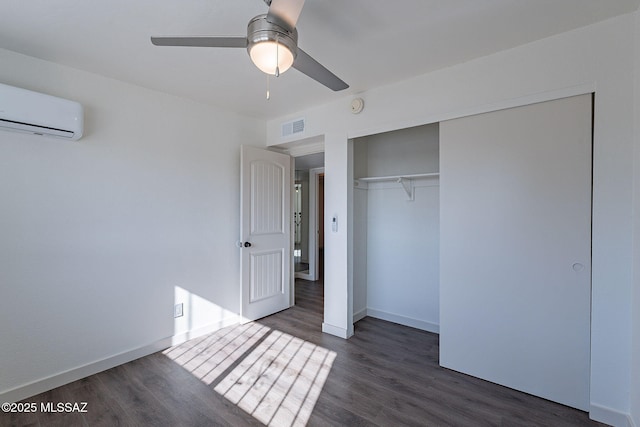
(272, 43)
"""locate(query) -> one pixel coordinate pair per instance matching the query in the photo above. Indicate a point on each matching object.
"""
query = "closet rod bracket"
(407, 184)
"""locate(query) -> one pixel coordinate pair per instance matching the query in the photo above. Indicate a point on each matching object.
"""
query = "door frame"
(314, 227)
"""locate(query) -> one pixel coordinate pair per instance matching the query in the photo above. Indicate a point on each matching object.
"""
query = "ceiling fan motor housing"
(261, 30)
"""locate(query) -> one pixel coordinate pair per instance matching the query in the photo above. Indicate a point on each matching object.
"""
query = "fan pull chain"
(277, 73)
(277, 59)
(268, 92)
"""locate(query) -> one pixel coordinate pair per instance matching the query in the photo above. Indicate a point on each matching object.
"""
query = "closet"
(479, 228)
(396, 227)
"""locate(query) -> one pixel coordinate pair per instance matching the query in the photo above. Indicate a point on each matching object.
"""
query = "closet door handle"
(247, 244)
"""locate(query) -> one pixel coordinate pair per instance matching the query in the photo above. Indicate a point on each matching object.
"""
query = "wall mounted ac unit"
(26, 111)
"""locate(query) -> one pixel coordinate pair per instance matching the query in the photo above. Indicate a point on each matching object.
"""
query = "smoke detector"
(357, 105)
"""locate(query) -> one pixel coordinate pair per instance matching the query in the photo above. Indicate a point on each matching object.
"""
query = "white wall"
(98, 238)
(404, 151)
(599, 57)
(403, 255)
(338, 307)
(635, 360)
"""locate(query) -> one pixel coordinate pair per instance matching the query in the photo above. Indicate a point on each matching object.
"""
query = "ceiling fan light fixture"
(268, 54)
(271, 47)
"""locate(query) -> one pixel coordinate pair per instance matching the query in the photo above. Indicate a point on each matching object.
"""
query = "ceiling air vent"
(293, 127)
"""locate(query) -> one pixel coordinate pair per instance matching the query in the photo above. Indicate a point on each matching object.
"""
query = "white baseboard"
(402, 320)
(359, 315)
(40, 386)
(610, 416)
(195, 333)
(335, 330)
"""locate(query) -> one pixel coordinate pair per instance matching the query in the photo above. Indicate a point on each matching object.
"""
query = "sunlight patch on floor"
(208, 358)
(274, 376)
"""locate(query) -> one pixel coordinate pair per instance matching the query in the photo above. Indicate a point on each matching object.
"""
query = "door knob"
(247, 244)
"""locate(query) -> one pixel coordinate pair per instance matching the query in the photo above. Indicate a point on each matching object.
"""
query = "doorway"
(308, 216)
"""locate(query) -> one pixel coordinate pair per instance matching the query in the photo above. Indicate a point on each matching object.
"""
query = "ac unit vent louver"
(293, 127)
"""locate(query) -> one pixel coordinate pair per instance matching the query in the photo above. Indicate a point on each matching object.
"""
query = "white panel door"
(515, 284)
(265, 224)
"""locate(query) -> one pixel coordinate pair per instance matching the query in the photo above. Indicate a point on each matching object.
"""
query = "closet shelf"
(397, 177)
(406, 181)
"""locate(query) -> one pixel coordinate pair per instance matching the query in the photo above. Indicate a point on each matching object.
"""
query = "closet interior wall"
(396, 227)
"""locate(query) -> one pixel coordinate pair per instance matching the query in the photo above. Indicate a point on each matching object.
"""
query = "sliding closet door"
(515, 221)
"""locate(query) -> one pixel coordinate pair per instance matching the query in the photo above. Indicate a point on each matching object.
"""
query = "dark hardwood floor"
(285, 371)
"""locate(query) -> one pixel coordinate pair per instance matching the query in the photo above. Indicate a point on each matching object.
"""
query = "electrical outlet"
(177, 310)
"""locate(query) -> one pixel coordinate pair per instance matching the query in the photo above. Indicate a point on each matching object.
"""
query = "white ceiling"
(309, 161)
(367, 43)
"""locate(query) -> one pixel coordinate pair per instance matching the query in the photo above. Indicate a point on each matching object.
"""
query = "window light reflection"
(274, 376)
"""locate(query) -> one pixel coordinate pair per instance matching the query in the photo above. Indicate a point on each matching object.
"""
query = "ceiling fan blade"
(285, 11)
(312, 68)
(200, 41)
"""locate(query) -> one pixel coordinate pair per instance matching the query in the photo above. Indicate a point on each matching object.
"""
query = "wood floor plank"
(340, 394)
(385, 375)
(192, 394)
(138, 402)
(19, 419)
(175, 394)
(102, 408)
(54, 418)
